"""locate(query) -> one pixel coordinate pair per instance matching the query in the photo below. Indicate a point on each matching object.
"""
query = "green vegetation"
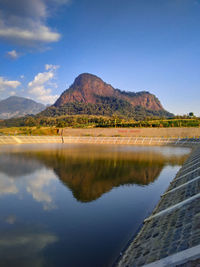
(38, 123)
(106, 106)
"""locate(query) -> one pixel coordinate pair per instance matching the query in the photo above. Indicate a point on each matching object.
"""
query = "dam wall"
(98, 140)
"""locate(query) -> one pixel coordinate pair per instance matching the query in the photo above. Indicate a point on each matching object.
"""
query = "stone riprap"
(171, 235)
(180, 194)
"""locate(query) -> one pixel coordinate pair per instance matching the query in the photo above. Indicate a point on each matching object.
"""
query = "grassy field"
(29, 131)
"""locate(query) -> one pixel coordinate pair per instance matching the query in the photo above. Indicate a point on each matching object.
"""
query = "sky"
(134, 45)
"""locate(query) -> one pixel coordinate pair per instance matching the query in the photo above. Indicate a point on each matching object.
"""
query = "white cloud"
(31, 36)
(48, 99)
(12, 93)
(39, 87)
(61, 2)
(12, 54)
(6, 84)
(24, 22)
(40, 79)
(51, 67)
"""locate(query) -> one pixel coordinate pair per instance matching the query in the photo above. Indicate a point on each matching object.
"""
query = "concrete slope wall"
(97, 140)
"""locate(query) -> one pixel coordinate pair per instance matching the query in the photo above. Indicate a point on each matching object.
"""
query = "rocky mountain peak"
(85, 78)
(90, 95)
(88, 88)
(85, 89)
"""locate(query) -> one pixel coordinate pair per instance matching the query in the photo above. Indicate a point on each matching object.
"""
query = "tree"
(191, 114)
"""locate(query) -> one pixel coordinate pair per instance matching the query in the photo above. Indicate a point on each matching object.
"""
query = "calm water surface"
(77, 205)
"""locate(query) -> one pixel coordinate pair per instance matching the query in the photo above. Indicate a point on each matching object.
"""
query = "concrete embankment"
(171, 235)
(176, 132)
(98, 140)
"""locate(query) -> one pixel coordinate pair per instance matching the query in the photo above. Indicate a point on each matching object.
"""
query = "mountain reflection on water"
(42, 224)
(91, 171)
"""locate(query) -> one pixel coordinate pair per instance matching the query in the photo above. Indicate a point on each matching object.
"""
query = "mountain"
(92, 96)
(89, 88)
(15, 106)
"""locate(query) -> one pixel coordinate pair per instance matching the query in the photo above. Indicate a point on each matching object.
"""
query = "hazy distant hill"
(15, 106)
(92, 96)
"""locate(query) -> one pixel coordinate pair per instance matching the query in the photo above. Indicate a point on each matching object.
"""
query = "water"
(78, 205)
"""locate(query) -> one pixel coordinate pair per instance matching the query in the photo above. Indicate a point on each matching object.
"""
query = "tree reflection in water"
(91, 171)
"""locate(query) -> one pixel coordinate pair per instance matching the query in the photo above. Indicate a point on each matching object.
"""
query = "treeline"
(107, 107)
(85, 121)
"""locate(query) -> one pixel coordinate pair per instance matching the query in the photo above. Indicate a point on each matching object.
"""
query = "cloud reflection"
(7, 185)
(38, 184)
(10, 219)
(36, 187)
(24, 247)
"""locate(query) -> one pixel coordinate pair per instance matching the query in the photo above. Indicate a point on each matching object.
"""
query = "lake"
(78, 205)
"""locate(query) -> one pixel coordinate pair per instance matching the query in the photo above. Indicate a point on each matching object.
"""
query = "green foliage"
(105, 106)
(86, 121)
(191, 114)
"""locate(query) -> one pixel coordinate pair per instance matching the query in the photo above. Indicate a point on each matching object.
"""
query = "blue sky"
(134, 45)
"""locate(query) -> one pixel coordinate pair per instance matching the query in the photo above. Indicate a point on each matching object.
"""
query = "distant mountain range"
(92, 96)
(15, 106)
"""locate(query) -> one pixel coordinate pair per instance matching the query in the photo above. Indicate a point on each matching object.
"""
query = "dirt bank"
(131, 132)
